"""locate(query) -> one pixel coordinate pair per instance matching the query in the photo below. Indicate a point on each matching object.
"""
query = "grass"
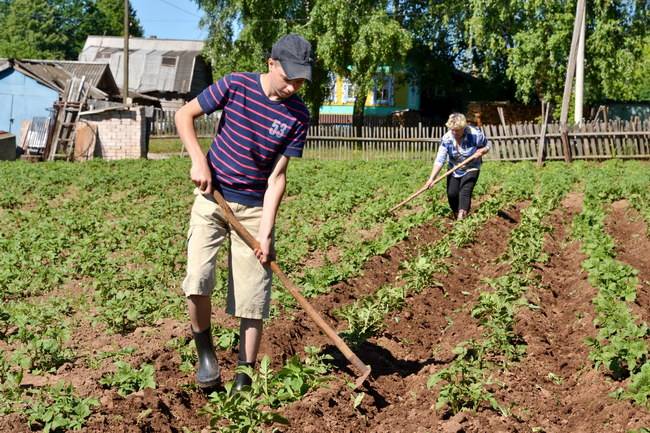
(173, 145)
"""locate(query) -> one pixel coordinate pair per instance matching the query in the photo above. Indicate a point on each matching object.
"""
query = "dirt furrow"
(416, 341)
(627, 227)
(554, 389)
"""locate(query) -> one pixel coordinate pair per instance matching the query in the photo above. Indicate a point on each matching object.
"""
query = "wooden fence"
(516, 142)
(510, 143)
(163, 126)
(162, 123)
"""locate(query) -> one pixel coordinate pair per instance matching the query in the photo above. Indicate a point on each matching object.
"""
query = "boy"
(263, 124)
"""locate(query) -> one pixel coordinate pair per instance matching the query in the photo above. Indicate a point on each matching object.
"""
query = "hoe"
(362, 369)
(438, 179)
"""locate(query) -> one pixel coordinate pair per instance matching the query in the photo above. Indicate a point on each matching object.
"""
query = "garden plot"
(498, 308)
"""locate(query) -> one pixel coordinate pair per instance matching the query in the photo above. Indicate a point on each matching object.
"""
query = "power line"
(165, 21)
(180, 9)
(305, 20)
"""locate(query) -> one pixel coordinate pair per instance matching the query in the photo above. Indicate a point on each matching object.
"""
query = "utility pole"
(125, 85)
(580, 71)
(568, 82)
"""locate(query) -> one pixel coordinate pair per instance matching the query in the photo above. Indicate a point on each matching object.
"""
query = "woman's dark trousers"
(459, 191)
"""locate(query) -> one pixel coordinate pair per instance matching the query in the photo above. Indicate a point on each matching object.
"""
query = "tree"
(355, 39)
(30, 29)
(57, 29)
(110, 19)
(352, 39)
(616, 42)
(530, 41)
(640, 75)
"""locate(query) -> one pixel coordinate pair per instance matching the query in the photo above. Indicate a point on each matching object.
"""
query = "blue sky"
(169, 19)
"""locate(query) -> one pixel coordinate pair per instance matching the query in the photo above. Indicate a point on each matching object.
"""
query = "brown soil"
(552, 389)
(416, 342)
(629, 231)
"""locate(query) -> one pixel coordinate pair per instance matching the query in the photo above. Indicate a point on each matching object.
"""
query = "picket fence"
(515, 142)
(163, 126)
(597, 140)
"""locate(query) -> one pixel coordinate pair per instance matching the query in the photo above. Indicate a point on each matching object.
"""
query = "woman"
(458, 144)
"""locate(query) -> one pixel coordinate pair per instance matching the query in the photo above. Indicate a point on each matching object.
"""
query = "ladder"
(73, 99)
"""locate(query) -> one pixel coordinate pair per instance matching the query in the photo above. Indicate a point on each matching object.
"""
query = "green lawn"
(173, 145)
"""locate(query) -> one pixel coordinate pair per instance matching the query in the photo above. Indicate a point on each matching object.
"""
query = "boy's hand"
(263, 253)
(201, 176)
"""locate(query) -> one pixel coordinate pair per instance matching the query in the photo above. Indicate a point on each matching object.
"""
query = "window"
(383, 90)
(105, 53)
(332, 87)
(349, 91)
(169, 61)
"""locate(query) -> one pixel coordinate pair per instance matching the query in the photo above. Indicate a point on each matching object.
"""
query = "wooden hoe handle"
(438, 179)
(362, 368)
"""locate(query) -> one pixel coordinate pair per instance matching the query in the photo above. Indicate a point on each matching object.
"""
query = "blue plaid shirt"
(473, 139)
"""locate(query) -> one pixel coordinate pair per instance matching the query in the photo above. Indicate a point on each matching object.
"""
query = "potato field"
(530, 315)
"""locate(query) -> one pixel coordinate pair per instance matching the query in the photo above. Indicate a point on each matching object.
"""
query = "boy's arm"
(184, 119)
(272, 197)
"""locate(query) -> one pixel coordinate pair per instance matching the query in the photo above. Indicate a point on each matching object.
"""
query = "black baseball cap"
(295, 55)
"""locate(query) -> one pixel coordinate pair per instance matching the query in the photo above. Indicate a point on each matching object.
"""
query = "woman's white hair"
(456, 121)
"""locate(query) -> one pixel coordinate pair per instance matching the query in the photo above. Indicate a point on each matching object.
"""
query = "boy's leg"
(250, 336)
(249, 291)
(206, 234)
(199, 309)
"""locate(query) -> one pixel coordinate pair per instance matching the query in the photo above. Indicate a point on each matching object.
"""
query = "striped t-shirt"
(252, 132)
(473, 139)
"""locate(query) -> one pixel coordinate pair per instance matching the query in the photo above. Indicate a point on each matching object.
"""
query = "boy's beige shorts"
(249, 283)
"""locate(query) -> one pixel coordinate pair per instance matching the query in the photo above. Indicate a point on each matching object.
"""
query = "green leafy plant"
(418, 273)
(10, 391)
(555, 378)
(639, 387)
(187, 352)
(365, 317)
(58, 409)
(246, 411)
(128, 379)
(357, 399)
(95, 362)
(465, 381)
(42, 330)
(225, 338)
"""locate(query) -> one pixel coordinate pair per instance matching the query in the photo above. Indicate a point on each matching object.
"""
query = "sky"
(169, 19)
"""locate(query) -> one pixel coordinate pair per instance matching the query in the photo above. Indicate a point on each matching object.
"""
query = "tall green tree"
(640, 73)
(352, 39)
(530, 41)
(110, 19)
(57, 29)
(617, 38)
(355, 40)
(30, 29)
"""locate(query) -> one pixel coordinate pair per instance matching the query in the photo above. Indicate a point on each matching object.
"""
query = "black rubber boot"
(208, 374)
(242, 380)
